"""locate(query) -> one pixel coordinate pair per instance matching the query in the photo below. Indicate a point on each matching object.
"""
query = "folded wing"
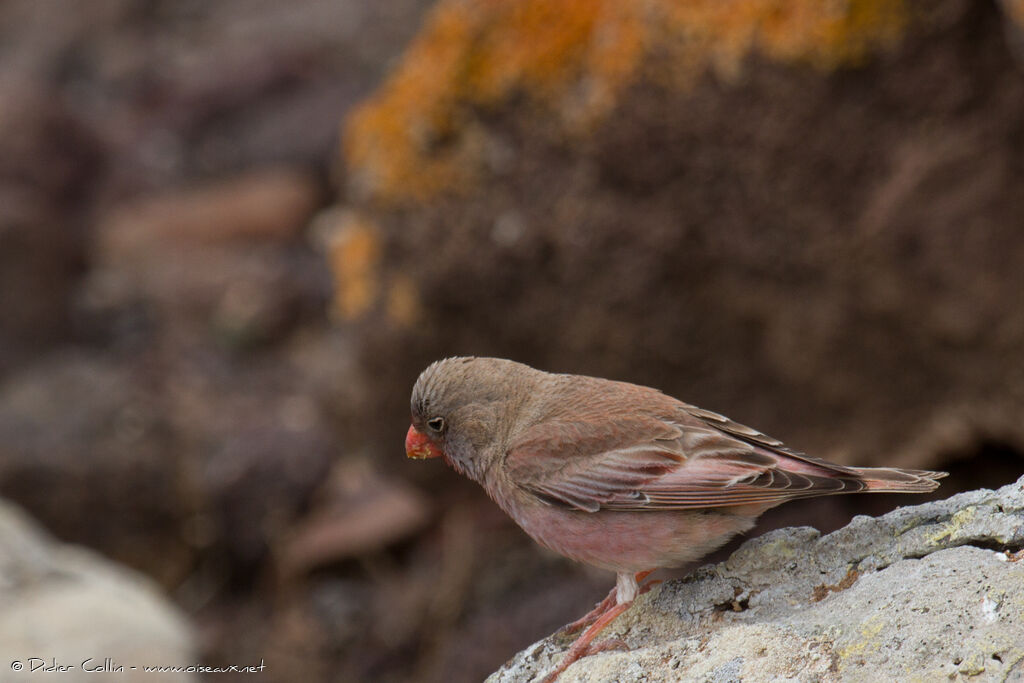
(693, 459)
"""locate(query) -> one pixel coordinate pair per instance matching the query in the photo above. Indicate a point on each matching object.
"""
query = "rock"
(417, 135)
(661, 193)
(930, 592)
(207, 460)
(82, 432)
(64, 605)
(226, 256)
(271, 204)
(258, 478)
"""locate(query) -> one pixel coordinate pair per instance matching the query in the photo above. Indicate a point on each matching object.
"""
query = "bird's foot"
(605, 605)
(606, 645)
(585, 646)
(590, 617)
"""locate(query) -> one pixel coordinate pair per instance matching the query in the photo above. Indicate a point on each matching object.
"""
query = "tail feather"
(895, 480)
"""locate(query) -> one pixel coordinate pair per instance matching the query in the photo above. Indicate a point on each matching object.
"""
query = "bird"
(616, 475)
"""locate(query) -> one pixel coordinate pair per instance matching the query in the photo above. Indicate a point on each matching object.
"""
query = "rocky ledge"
(924, 593)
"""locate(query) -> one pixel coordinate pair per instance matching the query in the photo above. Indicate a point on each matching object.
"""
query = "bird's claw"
(606, 646)
(590, 617)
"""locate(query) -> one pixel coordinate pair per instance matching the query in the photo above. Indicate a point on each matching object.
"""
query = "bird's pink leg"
(582, 647)
(606, 604)
(640, 576)
(626, 586)
(591, 616)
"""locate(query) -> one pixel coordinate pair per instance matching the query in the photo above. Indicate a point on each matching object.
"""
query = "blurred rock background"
(233, 232)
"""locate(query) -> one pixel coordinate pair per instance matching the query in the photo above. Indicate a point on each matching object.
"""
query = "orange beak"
(419, 447)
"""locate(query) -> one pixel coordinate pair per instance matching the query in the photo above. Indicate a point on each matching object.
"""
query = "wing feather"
(692, 459)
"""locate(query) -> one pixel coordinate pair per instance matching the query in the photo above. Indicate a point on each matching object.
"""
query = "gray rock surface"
(64, 606)
(925, 593)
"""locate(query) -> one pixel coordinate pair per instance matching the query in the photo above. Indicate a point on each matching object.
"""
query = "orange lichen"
(574, 57)
(403, 305)
(353, 252)
(1014, 9)
(353, 247)
(830, 34)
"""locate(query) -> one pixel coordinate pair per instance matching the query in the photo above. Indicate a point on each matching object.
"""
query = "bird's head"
(460, 408)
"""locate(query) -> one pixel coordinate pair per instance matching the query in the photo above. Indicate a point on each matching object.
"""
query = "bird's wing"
(692, 459)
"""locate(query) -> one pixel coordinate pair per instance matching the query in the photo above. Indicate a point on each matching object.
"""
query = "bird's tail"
(895, 480)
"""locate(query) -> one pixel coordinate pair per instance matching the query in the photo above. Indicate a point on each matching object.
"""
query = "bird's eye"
(436, 424)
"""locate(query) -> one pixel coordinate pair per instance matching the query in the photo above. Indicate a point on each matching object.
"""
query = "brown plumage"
(613, 474)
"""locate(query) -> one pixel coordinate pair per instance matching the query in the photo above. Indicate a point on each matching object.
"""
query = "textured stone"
(923, 593)
(714, 235)
(64, 605)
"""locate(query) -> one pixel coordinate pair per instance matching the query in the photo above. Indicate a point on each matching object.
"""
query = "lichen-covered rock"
(801, 214)
(577, 59)
(924, 593)
(64, 606)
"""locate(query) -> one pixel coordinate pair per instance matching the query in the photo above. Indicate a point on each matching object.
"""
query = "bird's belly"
(631, 541)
